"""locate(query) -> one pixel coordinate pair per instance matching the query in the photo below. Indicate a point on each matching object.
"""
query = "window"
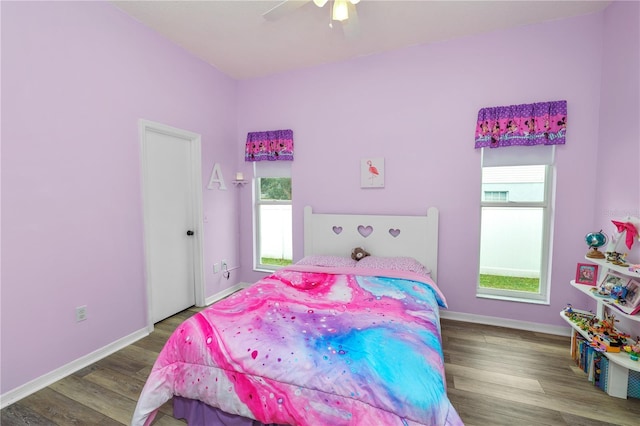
(515, 228)
(496, 195)
(273, 242)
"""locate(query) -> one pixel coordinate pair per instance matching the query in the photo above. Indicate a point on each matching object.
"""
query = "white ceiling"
(234, 37)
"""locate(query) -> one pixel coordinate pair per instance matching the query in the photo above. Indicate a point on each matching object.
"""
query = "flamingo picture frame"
(372, 172)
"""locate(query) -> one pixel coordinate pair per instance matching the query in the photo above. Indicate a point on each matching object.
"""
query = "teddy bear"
(359, 253)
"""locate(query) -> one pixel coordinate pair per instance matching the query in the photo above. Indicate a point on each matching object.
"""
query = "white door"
(172, 192)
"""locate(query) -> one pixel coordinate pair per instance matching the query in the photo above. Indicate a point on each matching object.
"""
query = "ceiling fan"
(343, 11)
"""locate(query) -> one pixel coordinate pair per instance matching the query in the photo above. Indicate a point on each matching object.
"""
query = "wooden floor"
(495, 376)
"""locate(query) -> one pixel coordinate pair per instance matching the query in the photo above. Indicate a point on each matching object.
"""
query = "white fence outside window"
(276, 237)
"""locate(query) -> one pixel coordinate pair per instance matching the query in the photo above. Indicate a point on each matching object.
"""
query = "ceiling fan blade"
(283, 9)
(351, 27)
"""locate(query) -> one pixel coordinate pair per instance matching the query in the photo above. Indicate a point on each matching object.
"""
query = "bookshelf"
(603, 302)
(620, 363)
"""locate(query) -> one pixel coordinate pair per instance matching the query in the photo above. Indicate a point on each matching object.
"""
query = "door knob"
(189, 232)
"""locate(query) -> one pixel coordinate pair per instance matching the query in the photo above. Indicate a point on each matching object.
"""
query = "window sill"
(513, 299)
(268, 270)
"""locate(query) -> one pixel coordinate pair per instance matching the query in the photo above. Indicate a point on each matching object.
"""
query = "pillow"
(327, 260)
(399, 263)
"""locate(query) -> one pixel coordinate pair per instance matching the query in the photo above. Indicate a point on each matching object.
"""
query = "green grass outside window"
(275, 262)
(510, 283)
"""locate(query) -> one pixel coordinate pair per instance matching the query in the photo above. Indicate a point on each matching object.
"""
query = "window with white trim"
(515, 229)
(273, 240)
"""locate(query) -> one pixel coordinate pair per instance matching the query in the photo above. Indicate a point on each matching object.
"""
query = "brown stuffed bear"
(359, 253)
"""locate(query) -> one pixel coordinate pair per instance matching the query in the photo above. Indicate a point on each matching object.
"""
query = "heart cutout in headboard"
(337, 230)
(394, 232)
(365, 231)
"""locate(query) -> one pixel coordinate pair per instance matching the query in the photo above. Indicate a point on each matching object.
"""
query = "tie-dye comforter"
(313, 346)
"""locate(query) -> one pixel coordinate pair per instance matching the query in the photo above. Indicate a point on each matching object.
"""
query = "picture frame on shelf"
(587, 273)
(632, 298)
(611, 280)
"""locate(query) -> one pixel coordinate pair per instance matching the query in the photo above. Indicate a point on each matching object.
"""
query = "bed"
(326, 341)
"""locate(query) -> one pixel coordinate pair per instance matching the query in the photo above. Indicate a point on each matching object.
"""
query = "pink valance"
(271, 145)
(526, 124)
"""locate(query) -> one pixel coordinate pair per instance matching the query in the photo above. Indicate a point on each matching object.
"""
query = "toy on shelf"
(633, 350)
(628, 228)
(619, 293)
(604, 336)
(616, 258)
(626, 231)
(606, 344)
(606, 326)
(601, 292)
(580, 319)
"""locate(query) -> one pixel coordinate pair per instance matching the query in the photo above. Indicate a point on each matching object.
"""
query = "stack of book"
(590, 361)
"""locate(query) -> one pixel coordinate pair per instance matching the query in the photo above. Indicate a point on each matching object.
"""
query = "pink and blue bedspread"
(313, 346)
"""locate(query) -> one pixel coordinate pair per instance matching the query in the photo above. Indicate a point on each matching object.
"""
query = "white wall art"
(372, 173)
(216, 178)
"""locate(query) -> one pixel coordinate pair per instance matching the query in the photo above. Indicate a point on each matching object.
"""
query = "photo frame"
(372, 173)
(633, 294)
(587, 273)
(611, 280)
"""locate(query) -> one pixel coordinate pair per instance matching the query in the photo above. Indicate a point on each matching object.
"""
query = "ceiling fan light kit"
(340, 10)
(343, 11)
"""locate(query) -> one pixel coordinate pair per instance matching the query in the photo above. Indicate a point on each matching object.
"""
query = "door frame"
(195, 196)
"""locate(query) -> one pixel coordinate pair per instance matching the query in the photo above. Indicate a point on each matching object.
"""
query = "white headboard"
(338, 234)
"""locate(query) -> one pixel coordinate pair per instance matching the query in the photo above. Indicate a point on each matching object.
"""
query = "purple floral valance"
(271, 145)
(526, 124)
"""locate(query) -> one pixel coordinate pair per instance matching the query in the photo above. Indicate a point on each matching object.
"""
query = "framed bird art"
(372, 173)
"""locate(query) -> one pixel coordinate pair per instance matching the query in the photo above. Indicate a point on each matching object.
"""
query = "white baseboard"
(51, 377)
(47, 379)
(509, 323)
(225, 293)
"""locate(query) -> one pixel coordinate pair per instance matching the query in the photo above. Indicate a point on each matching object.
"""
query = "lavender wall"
(77, 76)
(617, 189)
(618, 184)
(417, 107)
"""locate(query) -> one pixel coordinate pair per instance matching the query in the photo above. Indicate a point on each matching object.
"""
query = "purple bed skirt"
(197, 413)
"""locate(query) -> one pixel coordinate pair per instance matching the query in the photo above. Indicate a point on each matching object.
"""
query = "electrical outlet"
(81, 313)
(216, 268)
(223, 265)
